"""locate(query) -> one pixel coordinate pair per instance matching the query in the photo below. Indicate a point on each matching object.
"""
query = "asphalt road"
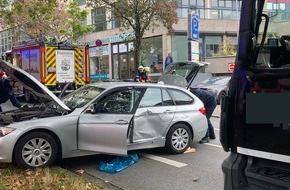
(157, 169)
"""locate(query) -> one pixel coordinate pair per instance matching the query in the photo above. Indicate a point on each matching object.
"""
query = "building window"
(99, 19)
(179, 47)
(212, 44)
(214, 3)
(116, 23)
(228, 4)
(281, 8)
(80, 2)
(182, 3)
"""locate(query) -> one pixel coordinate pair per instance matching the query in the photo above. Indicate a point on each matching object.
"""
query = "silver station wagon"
(99, 118)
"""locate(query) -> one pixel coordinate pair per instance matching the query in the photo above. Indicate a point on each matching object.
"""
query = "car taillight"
(202, 110)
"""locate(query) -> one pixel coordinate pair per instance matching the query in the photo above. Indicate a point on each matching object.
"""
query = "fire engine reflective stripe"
(262, 154)
(79, 66)
(87, 66)
(50, 80)
(43, 65)
(51, 65)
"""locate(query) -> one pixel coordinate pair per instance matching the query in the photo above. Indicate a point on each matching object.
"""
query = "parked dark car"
(217, 85)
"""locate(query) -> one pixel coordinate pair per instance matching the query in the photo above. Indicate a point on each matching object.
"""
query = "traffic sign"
(99, 43)
(194, 51)
(194, 27)
(231, 66)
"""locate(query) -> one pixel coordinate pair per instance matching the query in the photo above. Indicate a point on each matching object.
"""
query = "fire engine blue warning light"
(194, 27)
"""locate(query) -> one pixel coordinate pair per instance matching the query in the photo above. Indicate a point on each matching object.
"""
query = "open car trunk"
(181, 73)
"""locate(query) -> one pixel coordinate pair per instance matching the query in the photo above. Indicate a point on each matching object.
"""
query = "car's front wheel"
(36, 149)
(178, 139)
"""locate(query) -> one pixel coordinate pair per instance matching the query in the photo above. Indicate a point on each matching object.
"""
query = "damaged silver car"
(107, 118)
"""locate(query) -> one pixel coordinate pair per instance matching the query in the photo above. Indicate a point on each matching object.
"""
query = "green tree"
(77, 28)
(226, 48)
(37, 18)
(140, 16)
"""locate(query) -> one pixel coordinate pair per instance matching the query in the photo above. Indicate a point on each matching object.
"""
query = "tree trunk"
(137, 47)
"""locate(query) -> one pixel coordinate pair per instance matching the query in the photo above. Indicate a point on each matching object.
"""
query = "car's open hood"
(181, 73)
(31, 83)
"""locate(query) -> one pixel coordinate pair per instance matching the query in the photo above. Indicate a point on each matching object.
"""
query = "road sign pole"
(99, 53)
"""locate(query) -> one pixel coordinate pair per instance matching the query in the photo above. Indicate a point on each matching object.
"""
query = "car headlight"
(5, 131)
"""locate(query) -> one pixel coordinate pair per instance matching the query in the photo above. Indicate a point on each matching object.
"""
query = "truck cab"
(255, 115)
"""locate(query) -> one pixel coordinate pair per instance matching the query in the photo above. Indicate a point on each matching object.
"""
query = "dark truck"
(255, 115)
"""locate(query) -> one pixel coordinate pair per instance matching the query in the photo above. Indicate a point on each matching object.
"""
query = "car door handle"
(149, 111)
(168, 112)
(121, 122)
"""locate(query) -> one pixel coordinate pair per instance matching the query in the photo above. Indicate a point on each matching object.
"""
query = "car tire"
(36, 149)
(178, 139)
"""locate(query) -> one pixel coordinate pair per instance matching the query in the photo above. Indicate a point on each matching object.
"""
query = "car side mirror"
(92, 108)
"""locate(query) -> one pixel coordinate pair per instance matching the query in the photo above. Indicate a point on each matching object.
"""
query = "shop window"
(212, 44)
(152, 54)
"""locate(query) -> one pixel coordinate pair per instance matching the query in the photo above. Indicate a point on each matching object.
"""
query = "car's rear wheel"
(178, 139)
(36, 149)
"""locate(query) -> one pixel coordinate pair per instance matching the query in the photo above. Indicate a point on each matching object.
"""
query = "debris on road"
(190, 150)
(118, 164)
(195, 179)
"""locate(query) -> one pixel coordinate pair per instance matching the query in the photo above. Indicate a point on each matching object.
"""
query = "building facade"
(114, 59)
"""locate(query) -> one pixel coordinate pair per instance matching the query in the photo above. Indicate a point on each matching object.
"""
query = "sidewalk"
(217, 111)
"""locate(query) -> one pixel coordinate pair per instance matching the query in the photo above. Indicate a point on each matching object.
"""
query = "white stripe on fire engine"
(262, 154)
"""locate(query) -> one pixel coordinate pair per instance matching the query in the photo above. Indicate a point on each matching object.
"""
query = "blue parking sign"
(194, 27)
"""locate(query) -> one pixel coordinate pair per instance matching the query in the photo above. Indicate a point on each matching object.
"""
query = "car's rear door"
(153, 116)
(106, 130)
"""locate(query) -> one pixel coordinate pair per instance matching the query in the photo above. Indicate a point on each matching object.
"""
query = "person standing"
(168, 60)
(145, 76)
(7, 92)
(210, 104)
(139, 73)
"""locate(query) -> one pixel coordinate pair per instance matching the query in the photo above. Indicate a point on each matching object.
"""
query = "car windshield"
(216, 80)
(81, 96)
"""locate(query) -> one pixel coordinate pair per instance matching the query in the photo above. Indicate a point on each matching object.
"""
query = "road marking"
(219, 146)
(163, 160)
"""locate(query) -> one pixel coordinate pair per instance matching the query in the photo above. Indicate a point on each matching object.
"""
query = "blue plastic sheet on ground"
(118, 164)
